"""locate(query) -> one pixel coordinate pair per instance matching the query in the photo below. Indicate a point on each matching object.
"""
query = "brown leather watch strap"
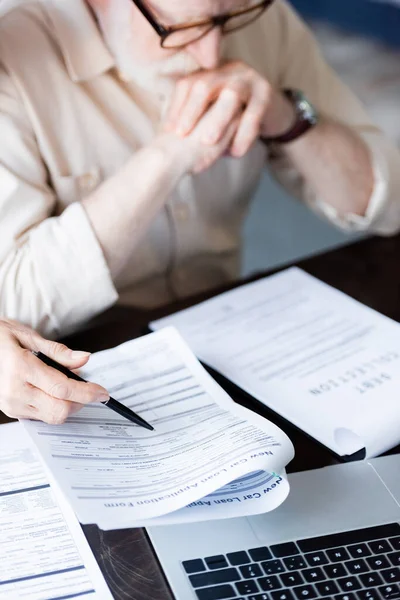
(302, 124)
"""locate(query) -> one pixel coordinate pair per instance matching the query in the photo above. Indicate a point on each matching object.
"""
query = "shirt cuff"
(74, 275)
(379, 197)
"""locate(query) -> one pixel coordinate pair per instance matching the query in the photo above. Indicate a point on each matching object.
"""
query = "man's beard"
(156, 75)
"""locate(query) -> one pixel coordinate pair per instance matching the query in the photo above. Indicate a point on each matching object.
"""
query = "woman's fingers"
(72, 359)
(43, 407)
(57, 385)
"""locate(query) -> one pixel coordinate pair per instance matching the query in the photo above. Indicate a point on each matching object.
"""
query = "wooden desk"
(368, 271)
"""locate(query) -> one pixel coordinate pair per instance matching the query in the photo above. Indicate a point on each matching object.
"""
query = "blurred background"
(361, 40)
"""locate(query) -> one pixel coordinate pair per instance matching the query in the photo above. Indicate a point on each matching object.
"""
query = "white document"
(120, 475)
(44, 554)
(243, 497)
(322, 360)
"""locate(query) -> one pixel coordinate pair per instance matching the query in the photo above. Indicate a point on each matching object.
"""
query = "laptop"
(337, 536)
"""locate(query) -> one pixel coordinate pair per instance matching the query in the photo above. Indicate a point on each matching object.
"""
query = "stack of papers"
(43, 552)
(207, 458)
(323, 361)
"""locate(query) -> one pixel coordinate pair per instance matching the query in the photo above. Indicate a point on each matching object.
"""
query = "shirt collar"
(82, 45)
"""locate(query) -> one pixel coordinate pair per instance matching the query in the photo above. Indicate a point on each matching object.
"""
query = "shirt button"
(181, 212)
(87, 182)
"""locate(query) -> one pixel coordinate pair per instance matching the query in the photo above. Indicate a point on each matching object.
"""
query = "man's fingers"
(214, 152)
(197, 103)
(43, 407)
(249, 126)
(59, 386)
(181, 93)
(220, 116)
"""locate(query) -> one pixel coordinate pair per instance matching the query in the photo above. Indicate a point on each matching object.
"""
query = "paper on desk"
(118, 474)
(322, 360)
(243, 497)
(44, 554)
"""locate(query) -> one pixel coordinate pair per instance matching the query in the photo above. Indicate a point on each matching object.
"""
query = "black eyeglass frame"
(217, 21)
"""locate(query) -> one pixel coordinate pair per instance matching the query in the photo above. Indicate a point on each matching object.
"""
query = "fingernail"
(103, 397)
(80, 354)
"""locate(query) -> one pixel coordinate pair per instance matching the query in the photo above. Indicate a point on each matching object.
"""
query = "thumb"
(73, 359)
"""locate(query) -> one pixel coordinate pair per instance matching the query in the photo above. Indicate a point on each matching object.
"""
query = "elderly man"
(133, 134)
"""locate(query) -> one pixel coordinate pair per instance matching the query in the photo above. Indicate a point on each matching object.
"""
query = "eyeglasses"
(177, 36)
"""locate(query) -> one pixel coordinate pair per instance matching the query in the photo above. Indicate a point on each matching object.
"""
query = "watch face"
(306, 109)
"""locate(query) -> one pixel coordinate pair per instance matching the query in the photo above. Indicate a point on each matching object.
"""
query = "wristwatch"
(306, 118)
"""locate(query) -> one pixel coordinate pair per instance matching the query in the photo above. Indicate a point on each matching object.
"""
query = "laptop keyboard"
(354, 565)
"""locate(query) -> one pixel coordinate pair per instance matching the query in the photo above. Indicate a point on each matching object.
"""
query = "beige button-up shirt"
(68, 122)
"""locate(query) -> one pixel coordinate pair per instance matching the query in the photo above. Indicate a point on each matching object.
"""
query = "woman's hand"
(235, 93)
(29, 389)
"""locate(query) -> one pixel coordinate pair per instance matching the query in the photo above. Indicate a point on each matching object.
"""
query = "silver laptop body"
(337, 499)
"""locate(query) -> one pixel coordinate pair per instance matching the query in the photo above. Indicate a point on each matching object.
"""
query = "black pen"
(116, 406)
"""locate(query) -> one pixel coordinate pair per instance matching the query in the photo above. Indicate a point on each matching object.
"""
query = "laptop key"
(378, 562)
(214, 577)
(282, 550)
(345, 597)
(348, 584)
(371, 579)
(259, 554)
(305, 591)
(291, 579)
(335, 571)
(359, 550)
(368, 595)
(315, 559)
(311, 575)
(395, 542)
(258, 597)
(389, 592)
(350, 537)
(293, 563)
(273, 566)
(379, 546)
(338, 554)
(193, 566)
(327, 588)
(216, 562)
(250, 571)
(391, 575)
(269, 583)
(394, 558)
(355, 567)
(282, 595)
(238, 558)
(219, 592)
(247, 587)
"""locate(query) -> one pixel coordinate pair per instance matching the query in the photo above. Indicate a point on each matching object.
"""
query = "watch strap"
(300, 127)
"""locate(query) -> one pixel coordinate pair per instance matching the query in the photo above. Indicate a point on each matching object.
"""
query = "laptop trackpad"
(332, 499)
(388, 469)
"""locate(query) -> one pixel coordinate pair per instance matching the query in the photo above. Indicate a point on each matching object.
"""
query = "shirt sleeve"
(53, 275)
(303, 67)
